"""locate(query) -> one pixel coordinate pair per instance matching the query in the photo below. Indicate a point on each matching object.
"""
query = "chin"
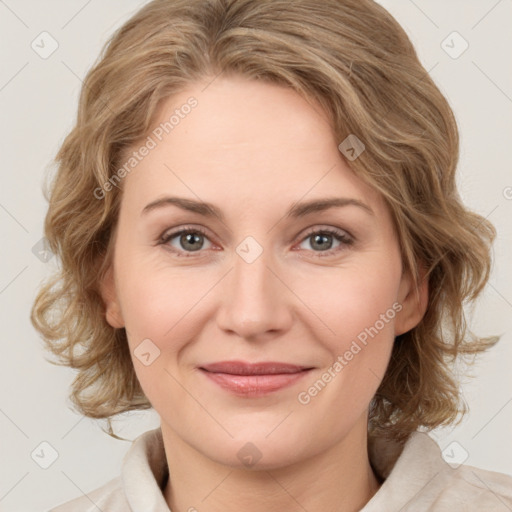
(254, 451)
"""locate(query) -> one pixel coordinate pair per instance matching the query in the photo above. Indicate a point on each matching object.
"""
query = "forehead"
(245, 138)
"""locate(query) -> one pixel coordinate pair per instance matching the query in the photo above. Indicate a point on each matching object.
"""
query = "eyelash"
(339, 235)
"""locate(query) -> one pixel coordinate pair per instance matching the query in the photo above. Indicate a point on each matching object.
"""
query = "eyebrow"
(297, 210)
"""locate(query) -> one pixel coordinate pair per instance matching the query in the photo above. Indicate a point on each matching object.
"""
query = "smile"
(253, 380)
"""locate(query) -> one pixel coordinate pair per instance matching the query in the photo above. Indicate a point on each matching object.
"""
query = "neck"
(338, 479)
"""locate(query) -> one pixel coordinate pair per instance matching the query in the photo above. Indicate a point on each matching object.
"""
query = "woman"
(219, 146)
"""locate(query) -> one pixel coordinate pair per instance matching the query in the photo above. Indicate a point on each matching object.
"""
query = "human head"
(356, 62)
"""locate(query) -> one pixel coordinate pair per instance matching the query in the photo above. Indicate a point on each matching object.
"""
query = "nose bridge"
(254, 298)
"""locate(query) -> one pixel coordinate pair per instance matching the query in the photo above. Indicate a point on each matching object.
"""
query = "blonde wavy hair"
(355, 60)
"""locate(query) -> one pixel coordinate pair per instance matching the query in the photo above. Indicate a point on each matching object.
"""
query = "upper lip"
(262, 368)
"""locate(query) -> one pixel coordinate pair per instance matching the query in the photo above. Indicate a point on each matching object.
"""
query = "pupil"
(318, 238)
(189, 241)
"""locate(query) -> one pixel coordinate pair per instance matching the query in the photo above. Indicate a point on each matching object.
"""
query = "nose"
(256, 302)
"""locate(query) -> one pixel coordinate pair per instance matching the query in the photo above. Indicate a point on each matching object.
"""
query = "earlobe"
(414, 301)
(108, 292)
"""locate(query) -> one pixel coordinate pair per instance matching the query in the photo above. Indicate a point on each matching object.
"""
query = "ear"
(109, 295)
(414, 301)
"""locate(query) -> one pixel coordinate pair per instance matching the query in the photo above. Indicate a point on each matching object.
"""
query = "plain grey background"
(38, 101)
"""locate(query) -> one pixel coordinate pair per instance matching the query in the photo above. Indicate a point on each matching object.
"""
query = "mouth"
(254, 379)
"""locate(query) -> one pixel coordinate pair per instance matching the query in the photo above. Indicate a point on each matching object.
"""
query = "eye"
(322, 239)
(187, 240)
(191, 239)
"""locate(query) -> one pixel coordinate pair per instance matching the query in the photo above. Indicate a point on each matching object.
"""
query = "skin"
(253, 150)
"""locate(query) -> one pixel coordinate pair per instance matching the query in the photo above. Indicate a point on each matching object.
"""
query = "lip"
(262, 368)
(254, 379)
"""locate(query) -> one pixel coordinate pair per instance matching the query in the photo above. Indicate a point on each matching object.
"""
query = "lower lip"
(255, 385)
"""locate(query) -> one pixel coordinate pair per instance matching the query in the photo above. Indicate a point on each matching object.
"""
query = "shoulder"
(109, 496)
(139, 487)
(418, 478)
(473, 488)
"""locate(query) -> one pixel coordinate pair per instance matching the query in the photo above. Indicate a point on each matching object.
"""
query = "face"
(262, 280)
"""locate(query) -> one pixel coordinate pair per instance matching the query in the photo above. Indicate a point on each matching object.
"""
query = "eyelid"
(171, 232)
(318, 228)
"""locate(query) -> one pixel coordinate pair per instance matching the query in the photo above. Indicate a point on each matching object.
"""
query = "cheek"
(157, 309)
(162, 303)
(357, 311)
(360, 310)
(349, 301)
